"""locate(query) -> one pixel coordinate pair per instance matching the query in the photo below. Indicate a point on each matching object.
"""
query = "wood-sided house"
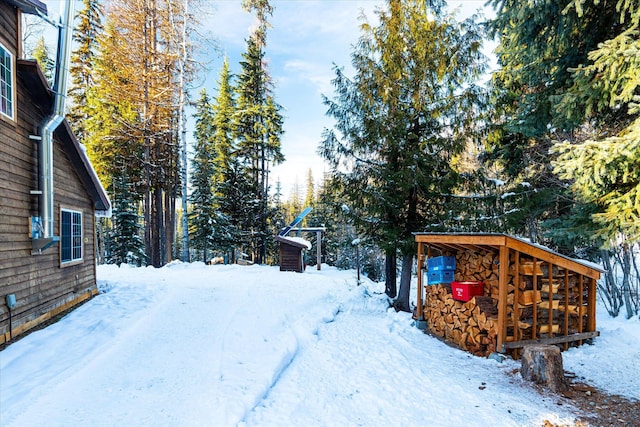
(49, 192)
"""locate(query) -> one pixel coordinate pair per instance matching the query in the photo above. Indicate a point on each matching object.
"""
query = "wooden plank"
(463, 239)
(502, 295)
(419, 303)
(553, 340)
(48, 315)
(551, 257)
(566, 304)
(516, 295)
(534, 326)
(591, 306)
(551, 301)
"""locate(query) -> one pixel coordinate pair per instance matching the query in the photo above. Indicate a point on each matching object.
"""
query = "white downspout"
(51, 123)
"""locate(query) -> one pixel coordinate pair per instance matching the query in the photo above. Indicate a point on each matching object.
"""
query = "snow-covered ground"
(196, 345)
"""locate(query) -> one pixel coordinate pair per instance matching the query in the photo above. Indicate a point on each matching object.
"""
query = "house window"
(70, 236)
(6, 82)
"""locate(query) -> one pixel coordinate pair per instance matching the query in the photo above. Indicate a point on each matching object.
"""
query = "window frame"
(8, 86)
(71, 237)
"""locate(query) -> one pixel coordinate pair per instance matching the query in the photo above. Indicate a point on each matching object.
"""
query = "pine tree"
(605, 168)
(41, 55)
(258, 128)
(224, 109)
(310, 195)
(402, 119)
(138, 62)
(202, 197)
(85, 37)
(124, 243)
(229, 214)
(539, 44)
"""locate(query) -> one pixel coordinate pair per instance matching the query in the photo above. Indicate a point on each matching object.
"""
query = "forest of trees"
(548, 149)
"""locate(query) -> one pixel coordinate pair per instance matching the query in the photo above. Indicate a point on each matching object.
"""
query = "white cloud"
(319, 75)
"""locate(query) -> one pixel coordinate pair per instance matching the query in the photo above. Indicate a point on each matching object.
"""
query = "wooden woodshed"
(530, 294)
(291, 253)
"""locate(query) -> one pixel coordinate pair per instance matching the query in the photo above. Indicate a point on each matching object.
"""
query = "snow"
(298, 240)
(227, 345)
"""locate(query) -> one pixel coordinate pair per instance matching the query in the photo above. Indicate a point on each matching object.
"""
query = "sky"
(307, 39)
(230, 345)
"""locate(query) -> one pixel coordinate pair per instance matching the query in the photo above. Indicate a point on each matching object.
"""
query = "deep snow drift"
(195, 345)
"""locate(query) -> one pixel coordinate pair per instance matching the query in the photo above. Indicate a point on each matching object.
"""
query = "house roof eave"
(41, 93)
(32, 7)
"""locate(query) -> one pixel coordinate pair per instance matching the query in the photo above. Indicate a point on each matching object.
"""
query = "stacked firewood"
(471, 325)
(472, 265)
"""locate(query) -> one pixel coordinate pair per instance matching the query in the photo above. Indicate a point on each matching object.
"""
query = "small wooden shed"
(531, 294)
(291, 255)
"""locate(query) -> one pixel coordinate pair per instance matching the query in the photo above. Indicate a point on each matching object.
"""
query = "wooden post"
(503, 286)
(419, 304)
(591, 306)
(534, 324)
(318, 247)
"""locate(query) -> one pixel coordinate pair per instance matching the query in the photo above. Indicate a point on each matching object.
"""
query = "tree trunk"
(542, 364)
(402, 302)
(390, 273)
(626, 282)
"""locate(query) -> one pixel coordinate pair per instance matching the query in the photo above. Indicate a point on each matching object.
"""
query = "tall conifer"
(400, 121)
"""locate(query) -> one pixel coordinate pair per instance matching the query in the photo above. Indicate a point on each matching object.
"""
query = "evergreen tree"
(138, 55)
(85, 38)
(539, 44)
(401, 120)
(233, 207)
(604, 167)
(41, 55)
(569, 74)
(605, 91)
(310, 195)
(124, 243)
(228, 201)
(202, 197)
(258, 128)
(223, 125)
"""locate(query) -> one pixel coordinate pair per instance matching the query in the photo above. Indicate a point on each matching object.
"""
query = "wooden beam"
(503, 286)
(591, 306)
(419, 304)
(554, 340)
(20, 329)
(552, 257)
(462, 239)
(318, 248)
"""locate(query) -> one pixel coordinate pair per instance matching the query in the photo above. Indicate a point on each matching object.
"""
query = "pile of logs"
(471, 325)
(472, 265)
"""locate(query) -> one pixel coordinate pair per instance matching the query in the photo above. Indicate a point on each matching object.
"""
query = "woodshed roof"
(493, 242)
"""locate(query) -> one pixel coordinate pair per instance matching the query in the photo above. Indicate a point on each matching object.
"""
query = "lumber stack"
(471, 325)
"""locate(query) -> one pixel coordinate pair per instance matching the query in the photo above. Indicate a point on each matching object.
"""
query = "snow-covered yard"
(195, 345)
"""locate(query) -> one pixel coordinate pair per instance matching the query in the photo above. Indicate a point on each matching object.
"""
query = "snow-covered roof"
(298, 242)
